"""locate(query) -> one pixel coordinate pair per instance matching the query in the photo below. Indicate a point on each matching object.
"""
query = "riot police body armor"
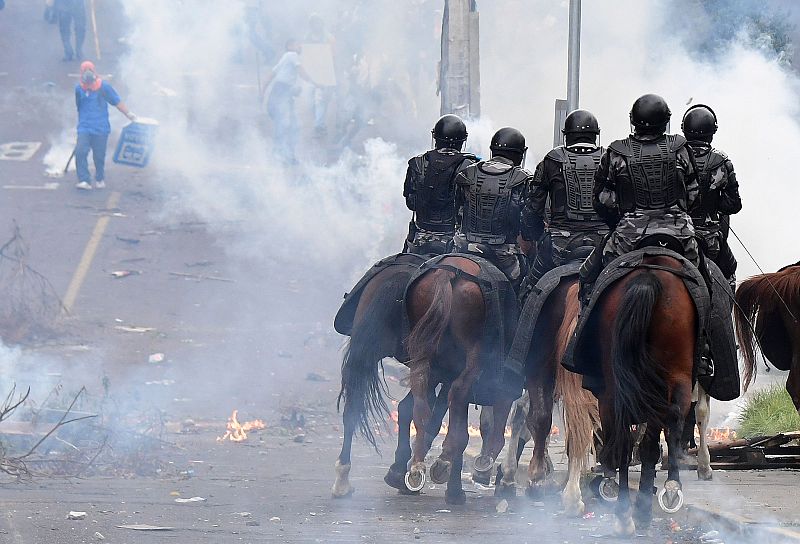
(653, 183)
(574, 206)
(491, 211)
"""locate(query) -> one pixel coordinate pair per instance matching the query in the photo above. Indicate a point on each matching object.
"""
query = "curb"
(735, 525)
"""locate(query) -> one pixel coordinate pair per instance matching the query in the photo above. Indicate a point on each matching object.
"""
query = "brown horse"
(375, 329)
(547, 381)
(646, 337)
(772, 303)
(448, 315)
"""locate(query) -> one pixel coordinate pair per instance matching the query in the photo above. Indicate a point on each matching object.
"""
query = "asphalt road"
(246, 340)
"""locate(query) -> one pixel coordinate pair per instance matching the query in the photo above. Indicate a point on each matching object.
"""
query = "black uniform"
(719, 199)
(429, 191)
(564, 179)
(489, 199)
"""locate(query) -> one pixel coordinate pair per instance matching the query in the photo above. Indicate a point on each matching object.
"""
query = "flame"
(721, 434)
(555, 431)
(237, 432)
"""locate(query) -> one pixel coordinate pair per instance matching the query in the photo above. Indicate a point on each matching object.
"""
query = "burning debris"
(237, 432)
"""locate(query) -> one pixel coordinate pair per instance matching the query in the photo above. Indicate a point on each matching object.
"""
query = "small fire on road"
(237, 432)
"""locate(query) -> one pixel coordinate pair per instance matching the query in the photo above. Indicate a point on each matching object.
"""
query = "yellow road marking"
(88, 254)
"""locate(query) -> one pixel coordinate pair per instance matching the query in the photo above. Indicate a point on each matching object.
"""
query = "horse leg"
(341, 487)
(421, 414)
(506, 473)
(457, 437)
(702, 412)
(624, 522)
(395, 477)
(670, 498)
(496, 439)
(482, 467)
(648, 453)
(540, 422)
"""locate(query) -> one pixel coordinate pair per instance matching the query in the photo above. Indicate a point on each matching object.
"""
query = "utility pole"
(563, 107)
(574, 56)
(459, 68)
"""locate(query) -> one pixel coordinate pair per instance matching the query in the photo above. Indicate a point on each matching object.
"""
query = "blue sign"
(135, 144)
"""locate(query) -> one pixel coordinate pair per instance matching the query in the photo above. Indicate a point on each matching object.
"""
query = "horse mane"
(761, 299)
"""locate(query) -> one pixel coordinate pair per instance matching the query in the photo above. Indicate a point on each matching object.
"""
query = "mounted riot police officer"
(429, 188)
(644, 186)
(489, 199)
(565, 179)
(719, 190)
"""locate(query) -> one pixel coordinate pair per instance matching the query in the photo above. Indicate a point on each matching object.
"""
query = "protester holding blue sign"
(92, 96)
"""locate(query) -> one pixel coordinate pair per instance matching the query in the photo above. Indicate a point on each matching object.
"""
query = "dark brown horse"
(547, 381)
(448, 315)
(375, 327)
(771, 304)
(646, 337)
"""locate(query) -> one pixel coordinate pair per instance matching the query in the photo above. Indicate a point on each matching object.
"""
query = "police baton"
(69, 161)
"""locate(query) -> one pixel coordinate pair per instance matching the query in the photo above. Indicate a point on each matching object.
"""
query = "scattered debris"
(502, 507)
(200, 277)
(757, 453)
(190, 500)
(99, 536)
(77, 516)
(156, 358)
(711, 536)
(443, 511)
(117, 274)
(274, 518)
(243, 514)
(299, 438)
(128, 240)
(160, 382)
(125, 328)
(674, 526)
(198, 263)
(588, 515)
(252, 523)
(145, 527)
(314, 377)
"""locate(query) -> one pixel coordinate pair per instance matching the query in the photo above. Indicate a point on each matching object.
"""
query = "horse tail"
(374, 337)
(639, 387)
(579, 407)
(745, 313)
(427, 333)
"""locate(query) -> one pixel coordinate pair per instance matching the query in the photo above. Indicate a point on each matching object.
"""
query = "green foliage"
(768, 412)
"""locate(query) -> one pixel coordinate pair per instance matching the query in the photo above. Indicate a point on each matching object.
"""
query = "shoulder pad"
(470, 156)
(622, 147)
(519, 175)
(418, 162)
(717, 158)
(558, 155)
(675, 142)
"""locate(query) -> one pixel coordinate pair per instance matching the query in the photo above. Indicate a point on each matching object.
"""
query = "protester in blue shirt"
(92, 96)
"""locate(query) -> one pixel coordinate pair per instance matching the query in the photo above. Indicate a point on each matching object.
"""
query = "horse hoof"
(574, 509)
(608, 489)
(440, 471)
(483, 463)
(534, 492)
(415, 478)
(670, 497)
(483, 478)
(705, 475)
(458, 497)
(341, 487)
(624, 527)
(397, 480)
(505, 491)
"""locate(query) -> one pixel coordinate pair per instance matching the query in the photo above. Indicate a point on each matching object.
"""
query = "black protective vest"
(435, 200)
(653, 182)
(706, 161)
(578, 170)
(488, 206)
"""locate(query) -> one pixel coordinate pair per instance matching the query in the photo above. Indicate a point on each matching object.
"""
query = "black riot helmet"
(509, 143)
(581, 121)
(650, 114)
(449, 132)
(699, 123)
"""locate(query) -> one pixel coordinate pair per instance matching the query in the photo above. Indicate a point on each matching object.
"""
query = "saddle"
(405, 263)
(713, 312)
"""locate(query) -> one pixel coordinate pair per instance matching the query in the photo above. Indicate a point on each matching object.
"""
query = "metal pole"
(574, 55)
